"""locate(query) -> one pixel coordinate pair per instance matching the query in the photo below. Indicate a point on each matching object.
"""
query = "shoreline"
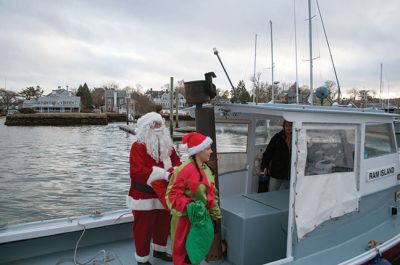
(63, 119)
(72, 119)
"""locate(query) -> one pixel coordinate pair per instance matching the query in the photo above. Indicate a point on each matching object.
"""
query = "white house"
(116, 101)
(162, 98)
(59, 100)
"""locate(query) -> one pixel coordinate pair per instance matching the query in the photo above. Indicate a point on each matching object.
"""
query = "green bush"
(26, 111)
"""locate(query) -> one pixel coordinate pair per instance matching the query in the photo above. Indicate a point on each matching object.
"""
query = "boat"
(344, 194)
(342, 205)
(341, 208)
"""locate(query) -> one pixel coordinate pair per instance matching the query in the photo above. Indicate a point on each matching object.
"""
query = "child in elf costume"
(193, 198)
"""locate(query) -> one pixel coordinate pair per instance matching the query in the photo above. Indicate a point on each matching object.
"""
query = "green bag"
(201, 233)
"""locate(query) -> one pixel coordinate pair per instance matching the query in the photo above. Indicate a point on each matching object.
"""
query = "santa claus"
(152, 157)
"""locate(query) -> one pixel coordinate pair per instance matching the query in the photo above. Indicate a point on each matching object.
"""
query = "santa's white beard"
(156, 141)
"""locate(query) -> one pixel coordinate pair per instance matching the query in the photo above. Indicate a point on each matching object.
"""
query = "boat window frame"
(397, 132)
(391, 134)
(335, 126)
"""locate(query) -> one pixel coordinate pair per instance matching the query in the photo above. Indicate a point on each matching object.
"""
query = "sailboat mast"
(272, 65)
(254, 73)
(311, 59)
(388, 98)
(330, 53)
(380, 89)
(295, 51)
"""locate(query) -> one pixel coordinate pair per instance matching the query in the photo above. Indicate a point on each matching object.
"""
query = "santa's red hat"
(196, 142)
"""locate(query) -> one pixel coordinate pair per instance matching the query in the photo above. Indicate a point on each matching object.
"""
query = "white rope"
(107, 256)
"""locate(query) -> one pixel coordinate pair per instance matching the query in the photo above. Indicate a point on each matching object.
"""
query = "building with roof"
(59, 100)
(116, 101)
(162, 98)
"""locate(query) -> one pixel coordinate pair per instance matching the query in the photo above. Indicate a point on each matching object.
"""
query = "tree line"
(92, 99)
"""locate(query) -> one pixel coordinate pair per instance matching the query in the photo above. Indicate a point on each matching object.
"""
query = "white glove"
(156, 174)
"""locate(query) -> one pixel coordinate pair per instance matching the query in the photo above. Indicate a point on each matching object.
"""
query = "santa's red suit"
(151, 219)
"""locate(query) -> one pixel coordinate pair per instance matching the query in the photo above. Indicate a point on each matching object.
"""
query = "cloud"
(52, 43)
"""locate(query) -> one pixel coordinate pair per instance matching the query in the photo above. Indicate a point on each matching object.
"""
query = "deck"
(118, 252)
(107, 239)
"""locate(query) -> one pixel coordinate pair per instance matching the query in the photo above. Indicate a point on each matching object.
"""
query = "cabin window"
(397, 132)
(266, 129)
(231, 146)
(330, 151)
(379, 140)
(231, 138)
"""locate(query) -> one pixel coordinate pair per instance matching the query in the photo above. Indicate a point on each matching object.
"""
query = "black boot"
(143, 263)
(162, 255)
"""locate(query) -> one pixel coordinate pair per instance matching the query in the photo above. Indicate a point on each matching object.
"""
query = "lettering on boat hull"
(381, 172)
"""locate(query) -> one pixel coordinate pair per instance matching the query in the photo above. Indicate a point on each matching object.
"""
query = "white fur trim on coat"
(198, 148)
(167, 163)
(141, 259)
(143, 204)
(156, 174)
(159, 247)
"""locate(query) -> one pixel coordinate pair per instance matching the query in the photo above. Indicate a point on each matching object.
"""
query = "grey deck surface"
(121, 252)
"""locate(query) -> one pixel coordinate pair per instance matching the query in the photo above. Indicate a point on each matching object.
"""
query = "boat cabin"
(344, 185)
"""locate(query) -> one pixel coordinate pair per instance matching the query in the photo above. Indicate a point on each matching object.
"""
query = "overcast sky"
(54, 43)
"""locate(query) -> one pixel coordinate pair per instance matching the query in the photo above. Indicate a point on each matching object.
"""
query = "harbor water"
(51, 172)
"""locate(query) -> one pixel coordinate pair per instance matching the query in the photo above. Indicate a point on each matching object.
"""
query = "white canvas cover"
(320, 197)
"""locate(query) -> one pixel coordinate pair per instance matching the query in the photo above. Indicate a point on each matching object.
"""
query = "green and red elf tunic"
(186, 186)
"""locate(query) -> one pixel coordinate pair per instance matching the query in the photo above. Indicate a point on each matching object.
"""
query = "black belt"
(143, 188)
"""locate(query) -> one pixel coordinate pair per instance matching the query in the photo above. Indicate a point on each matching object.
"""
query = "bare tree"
(180, 87)
(331, 86)
(98, 97)
(305, 93)
(166, 87)
(110, 86)
(263, 92)
(139, 87)
(222, 95)
(7, 98)
(143, 103)
(354, 93)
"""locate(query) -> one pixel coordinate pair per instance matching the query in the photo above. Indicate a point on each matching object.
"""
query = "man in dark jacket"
(276, 158)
